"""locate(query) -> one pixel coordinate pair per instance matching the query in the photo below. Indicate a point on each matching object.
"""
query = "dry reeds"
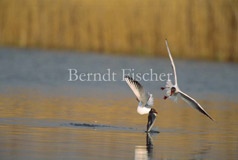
(195, 29)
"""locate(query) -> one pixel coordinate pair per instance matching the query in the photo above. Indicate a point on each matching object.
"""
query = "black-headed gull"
(145, 100)
(173, 90)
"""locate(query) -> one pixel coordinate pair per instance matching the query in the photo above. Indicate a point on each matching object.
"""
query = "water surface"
(44, 116)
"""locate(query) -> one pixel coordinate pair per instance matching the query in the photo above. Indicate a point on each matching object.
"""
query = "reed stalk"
(196, 29)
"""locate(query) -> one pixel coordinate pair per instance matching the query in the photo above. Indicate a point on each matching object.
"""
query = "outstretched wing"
(138, 90)
(172, 63)
(193, 103)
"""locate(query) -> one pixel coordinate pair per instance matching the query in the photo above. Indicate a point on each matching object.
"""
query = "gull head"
(173, 90)
(151, 119)
(153, 111)
(170, 89)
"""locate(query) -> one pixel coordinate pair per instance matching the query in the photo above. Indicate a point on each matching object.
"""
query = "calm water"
(44, 116)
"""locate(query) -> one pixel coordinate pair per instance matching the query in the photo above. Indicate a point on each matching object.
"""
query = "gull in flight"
(173, 90)
(145, 100)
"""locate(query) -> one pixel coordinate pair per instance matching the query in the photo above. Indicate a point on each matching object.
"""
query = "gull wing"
(193, 103)
(172, 62)
(138, 90)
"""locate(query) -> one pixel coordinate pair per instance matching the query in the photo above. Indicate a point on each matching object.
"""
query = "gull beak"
(172, 92)
(156, 112)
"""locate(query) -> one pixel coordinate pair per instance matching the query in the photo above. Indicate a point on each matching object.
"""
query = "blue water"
(46, 116)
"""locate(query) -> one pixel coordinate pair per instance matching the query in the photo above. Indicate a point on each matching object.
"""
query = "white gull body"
(145, 100)
(174, 92)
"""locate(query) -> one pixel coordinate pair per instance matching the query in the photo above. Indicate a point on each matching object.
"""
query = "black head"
(153, 111)
(173, 90)
(151, 119)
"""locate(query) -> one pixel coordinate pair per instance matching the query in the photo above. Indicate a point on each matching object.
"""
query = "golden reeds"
(195, 29)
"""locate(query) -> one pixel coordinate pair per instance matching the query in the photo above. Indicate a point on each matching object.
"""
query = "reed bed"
(196, 29)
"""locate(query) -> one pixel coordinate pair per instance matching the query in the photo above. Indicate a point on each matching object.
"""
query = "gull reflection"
(145, 152)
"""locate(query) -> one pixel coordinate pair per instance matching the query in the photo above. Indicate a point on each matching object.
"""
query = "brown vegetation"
(195, 29)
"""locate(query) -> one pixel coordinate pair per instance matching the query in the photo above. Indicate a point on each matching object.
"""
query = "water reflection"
(145, 152)
(83, 129)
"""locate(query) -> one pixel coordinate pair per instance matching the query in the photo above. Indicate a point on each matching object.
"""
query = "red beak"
(172, 92)
(156, 112)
